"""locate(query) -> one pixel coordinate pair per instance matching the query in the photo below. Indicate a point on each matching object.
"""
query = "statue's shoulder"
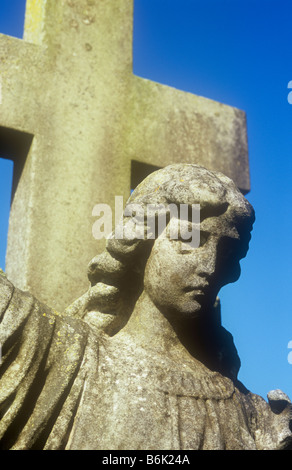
(6, 292)
(4, 280)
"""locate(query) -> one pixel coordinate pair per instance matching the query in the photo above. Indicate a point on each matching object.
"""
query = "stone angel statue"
(141, 360)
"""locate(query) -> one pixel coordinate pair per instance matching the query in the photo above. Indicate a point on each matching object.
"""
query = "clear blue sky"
(237, 52)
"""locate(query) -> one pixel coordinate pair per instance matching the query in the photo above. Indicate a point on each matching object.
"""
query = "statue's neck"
(153, 330)
(189, 342)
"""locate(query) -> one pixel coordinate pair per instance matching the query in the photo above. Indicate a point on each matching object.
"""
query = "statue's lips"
(196, 293)
(198, 289)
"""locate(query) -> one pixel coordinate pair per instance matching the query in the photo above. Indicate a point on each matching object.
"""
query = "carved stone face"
(183, 280)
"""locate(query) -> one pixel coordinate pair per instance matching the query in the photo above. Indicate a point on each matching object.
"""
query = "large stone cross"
(81, 129)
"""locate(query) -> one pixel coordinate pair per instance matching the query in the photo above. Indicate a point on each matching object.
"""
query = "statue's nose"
(207, 261)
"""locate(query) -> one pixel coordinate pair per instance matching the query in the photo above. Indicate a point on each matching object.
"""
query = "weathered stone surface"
(69, 86)
(141, 360)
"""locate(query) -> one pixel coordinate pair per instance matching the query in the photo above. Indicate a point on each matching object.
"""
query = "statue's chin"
(199, 307)
(192, 312)
(185, 311)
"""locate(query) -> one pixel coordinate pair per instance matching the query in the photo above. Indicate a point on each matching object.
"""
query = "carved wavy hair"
(116, 275)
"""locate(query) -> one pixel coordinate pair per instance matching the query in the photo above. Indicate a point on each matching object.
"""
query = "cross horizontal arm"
(167, 125)
(22, 66)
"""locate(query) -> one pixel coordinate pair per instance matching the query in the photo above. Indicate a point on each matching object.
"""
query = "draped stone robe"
(64, 386)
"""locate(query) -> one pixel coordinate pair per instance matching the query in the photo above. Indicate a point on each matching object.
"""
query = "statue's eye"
(185, 248)
(188, 245)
